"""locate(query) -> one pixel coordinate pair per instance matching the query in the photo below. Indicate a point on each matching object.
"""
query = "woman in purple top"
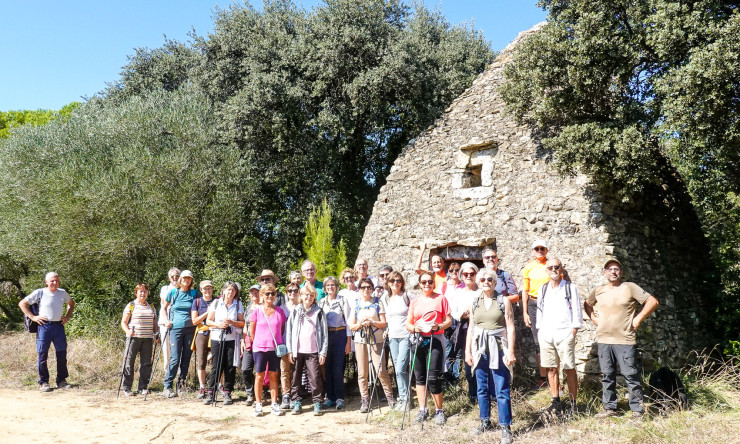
(266, 324)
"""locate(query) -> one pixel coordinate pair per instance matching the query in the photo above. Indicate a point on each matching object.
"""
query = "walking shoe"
(317, 409)
(127, 393)
(506, 437)
(340, 404)
(168, 393)
(439, 418)
(484, 426)
(258, 409)
(201, 393)
(250, 400)
(44, 387)
(328, 403)
(607, 413)
(400, 406)
(285, 405)
(143, 392)
(63, 385)
(275, 410)
(296, 408)
(364, 405)
(421, 416)
(208, 398)
(227, 398)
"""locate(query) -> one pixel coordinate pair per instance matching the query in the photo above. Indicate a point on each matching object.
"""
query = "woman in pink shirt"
(266, 324)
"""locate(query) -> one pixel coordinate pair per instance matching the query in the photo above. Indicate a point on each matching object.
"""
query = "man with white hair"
(173, 275)
(50, 318)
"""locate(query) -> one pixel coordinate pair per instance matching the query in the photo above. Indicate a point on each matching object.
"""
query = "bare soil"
(74, 415)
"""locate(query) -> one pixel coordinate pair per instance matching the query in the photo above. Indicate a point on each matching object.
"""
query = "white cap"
(540, 243)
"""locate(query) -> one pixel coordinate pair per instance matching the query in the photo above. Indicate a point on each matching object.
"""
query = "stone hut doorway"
(455, 252)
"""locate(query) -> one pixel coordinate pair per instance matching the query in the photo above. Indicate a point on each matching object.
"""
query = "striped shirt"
(142, 319)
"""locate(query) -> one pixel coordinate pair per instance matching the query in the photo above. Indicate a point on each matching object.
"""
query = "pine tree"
(318, 245)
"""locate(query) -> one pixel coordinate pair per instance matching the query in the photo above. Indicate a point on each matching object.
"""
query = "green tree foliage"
(318, 245)
(616, 87)
(12, 119)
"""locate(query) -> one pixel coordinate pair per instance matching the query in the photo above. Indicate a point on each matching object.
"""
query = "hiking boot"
(201, 393)
(439, 418)
(258, 409)
(400, 406)
(296, 408)
(317, 409)
(285, 404)
(555, 407)
(607, 413)
(168, 393)
(143, 392)
(227, 398)
(127, 393)
(391, 402)
(63, 385)
(364, 405)
(484, 426)
(208, 398)
(44, 387)
(328, 403)
(340, 404)
(421, 416)
(250, 400)
(506, 436)
(275, 410)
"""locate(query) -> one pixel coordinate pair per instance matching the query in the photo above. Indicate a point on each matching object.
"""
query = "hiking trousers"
(142, 347)
(226, 366)
(624, 356)
(310, 362)
(48, 333)
(380, 368)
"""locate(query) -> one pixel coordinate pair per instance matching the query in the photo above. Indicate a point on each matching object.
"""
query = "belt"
(342, 328)
(53, 322)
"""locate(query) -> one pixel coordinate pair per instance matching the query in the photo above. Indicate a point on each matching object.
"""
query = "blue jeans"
(47, 334)
(180, 339)
(334, 365)
(494, 382)
(400, 353)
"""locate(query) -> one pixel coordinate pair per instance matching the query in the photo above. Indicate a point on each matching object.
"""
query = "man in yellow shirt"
(535, 275)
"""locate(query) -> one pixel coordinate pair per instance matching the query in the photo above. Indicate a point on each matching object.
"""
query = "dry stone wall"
(476, 178)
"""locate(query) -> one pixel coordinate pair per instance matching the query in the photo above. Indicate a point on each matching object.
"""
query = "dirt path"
(77, 416)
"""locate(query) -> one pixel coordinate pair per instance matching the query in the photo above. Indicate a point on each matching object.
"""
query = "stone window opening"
(473, 171)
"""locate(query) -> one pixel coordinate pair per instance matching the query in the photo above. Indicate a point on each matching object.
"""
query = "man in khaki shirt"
(618, 319)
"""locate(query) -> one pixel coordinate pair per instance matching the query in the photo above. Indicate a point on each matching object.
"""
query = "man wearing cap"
(268, 277)
(308, 269)
(50, 320)
(614, 309)
(534, 276)
(173, 275)
(558, 321)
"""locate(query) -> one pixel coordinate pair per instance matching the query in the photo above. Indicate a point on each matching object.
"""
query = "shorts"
(553, 354)
(264, 360)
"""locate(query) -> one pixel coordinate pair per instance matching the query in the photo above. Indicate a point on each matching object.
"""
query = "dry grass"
(713, 387)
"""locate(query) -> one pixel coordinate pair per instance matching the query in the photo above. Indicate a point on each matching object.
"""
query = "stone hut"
(476, 178)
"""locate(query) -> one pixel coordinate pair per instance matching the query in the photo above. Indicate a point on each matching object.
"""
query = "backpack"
(541, 302)
(666, 390)
(404, 296)
(499, 299)
(28, 324)
(501, 275)
(375, 305)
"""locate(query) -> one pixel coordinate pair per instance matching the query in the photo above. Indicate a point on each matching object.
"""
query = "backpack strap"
(131, 308)
(406, 298)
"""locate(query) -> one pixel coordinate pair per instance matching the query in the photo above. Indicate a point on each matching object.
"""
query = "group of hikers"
(296, 344)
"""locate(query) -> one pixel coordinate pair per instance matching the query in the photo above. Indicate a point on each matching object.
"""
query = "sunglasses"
(554, 267)
(467, 275)
(489, 258)
(383, 275)
(395, 281)
(270, 293)
(348, 278)
(426, 282)
(365, 287)
(292, 291)
(454, 270)
(489, 279)
(265, 279)
(540, 249)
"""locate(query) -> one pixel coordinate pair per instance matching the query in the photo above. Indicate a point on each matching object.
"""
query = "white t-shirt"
(163, 292)
(52, 303)
(555, 317)
(396, 313)
(221, 314)
(462, 301)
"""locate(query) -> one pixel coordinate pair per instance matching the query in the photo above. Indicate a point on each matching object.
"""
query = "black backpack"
(28, 324)
(666, 390)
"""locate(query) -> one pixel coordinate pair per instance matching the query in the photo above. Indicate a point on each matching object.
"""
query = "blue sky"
(56, 52)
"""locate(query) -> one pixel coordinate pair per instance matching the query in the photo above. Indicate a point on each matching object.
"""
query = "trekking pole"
(125, 355)
(407, 407)
(375, 372)
(158, 353)
(426, 380)
(218, 367)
